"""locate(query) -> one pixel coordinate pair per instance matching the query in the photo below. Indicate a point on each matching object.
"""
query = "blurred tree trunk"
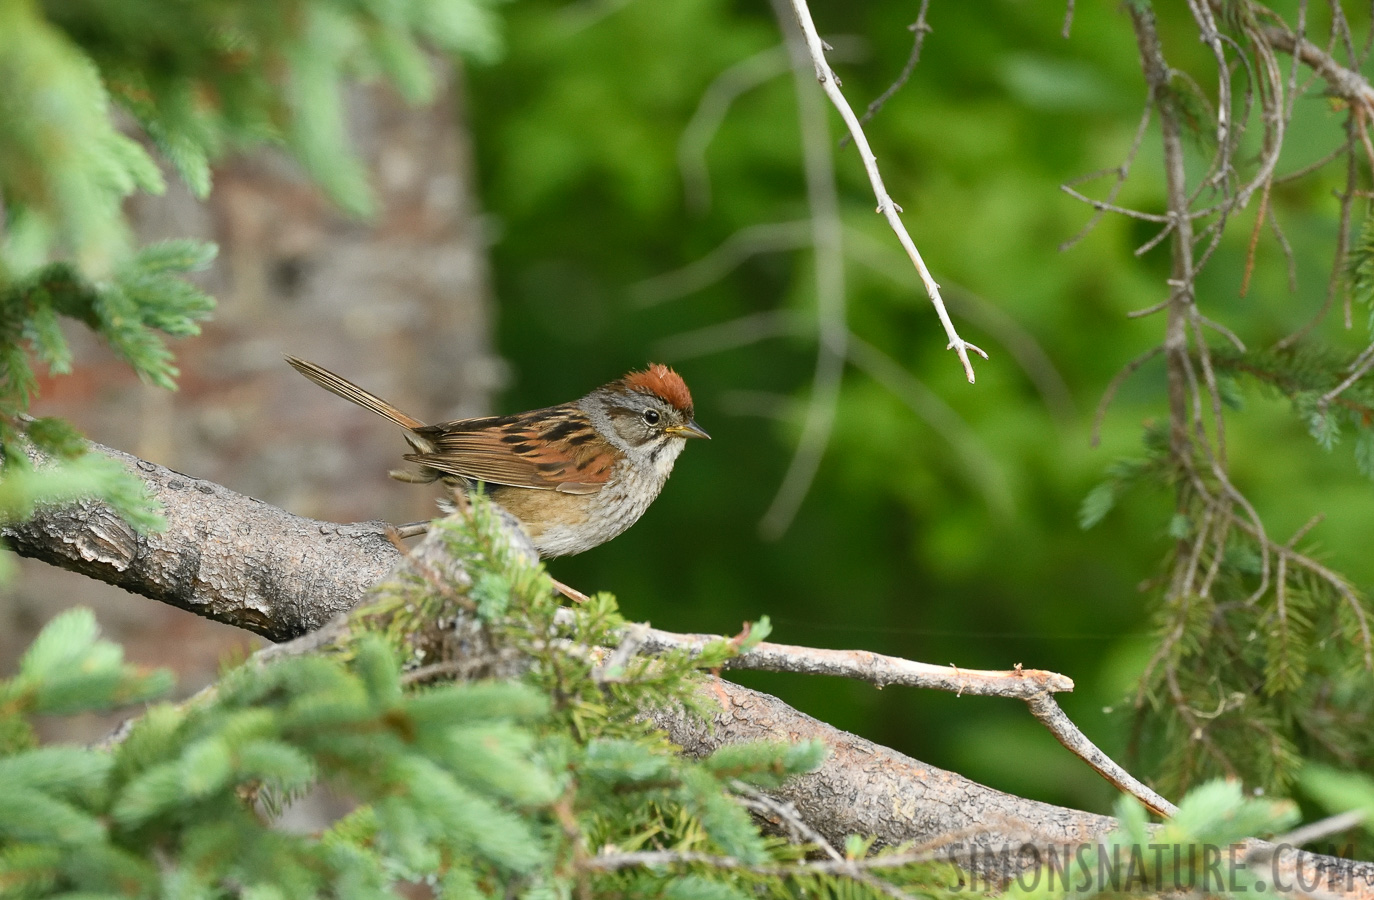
(401, 304)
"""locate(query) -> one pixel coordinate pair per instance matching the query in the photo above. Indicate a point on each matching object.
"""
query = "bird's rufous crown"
(663, 382)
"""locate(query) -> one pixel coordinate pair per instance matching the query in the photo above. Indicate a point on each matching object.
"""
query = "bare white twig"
(1322, 828)
(861, 665)
(875, 668)
(831, 85)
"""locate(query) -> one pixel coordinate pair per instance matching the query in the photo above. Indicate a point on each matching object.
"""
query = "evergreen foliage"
(1339, 792)
(478, 788)
(1265, 653)
(1282, 655)
(93, 96)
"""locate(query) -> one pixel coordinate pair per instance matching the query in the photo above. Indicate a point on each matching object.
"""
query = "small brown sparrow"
(575, 475)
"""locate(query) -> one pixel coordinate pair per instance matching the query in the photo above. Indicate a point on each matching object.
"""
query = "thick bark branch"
(866, 788)
(240, 561)
(223, 556)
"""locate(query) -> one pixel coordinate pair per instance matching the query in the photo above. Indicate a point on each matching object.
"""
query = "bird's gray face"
(642, 423)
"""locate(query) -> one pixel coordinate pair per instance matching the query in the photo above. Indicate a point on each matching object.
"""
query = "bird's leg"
(571, 593)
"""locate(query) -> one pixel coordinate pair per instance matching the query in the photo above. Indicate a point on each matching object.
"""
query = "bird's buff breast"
(565, 524)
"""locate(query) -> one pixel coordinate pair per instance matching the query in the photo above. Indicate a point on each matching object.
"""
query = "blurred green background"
(947, 543)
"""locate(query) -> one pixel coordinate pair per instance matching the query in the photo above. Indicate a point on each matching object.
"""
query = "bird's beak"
(690, 430)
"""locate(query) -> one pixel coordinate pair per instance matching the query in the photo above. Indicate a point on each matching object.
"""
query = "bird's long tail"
(346, 389)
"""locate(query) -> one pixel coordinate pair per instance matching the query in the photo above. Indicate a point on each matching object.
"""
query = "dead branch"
(861, 665)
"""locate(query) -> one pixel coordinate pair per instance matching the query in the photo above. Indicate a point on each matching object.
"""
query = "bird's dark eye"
(651, 416)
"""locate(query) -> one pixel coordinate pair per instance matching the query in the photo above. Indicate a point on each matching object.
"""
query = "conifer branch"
(1225, 576)
(1267, 370)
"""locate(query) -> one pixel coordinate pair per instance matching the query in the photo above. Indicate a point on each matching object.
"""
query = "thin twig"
(612, 668)
(1340, 27)
(920, 29)
(1155, 241)
(1115, 385)
(1107, 206)
(1287, 249)
(450, 669)
(1254, 240)
(1149, 310)
(1304, 171)
(760, 803)
(861, 665)
(889, 210)
(1221, 330)
(1044, 708)
(1320, 829)
(1335, 279)
(1357, 372)
(1121, 173)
